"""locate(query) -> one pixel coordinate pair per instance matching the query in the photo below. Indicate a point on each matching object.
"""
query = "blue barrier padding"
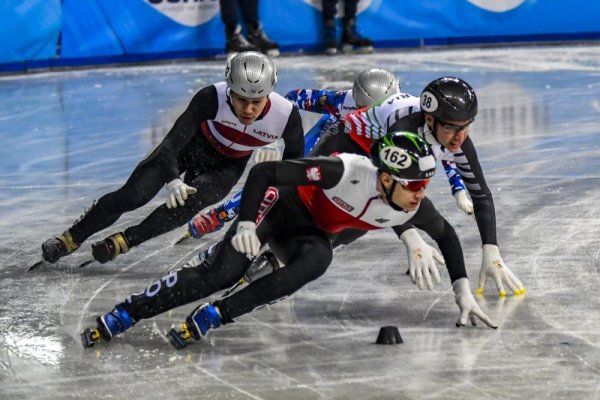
(29, 29)
(87, 32)
(115, 31)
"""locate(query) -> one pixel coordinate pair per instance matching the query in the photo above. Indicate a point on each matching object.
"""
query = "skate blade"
(36, 265)
(231, 289)
(183, 238)
(86, 263)
(176, 340)
(89, 337)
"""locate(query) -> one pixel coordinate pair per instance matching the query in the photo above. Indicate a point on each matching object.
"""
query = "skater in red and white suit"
(298, 207)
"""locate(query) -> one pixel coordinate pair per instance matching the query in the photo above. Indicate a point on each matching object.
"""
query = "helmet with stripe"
(374, 85)
(251, 74)
(404, 155)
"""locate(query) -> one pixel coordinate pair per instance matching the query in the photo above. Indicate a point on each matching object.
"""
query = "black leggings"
(306, 250)
(211, 173)
(189, 284)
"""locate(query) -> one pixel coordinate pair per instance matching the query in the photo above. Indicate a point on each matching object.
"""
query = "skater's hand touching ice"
(469, 309)
(245, 239)
(421, 259)
(464, 202)
(493, 266)
(178, 193)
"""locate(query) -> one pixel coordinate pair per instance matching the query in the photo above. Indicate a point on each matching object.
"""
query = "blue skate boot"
(115, 322)
(197, 325)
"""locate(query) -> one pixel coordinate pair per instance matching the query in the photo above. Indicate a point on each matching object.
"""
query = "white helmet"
(251, 74)
(373, 85)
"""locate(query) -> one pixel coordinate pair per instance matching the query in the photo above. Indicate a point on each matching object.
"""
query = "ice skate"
(180, 338)
(203, 224)
(330, 38)
(263, 265)
(115, 322)
(258, 37)
(352, 42)
(236, 42)
(213, 221)
(109, 248)
(196, 326)
(59, 246)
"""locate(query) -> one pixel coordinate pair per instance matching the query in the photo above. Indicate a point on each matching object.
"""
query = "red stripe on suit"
(327, 215)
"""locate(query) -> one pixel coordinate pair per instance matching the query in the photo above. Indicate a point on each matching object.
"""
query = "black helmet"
(404, 155)
(449, 99)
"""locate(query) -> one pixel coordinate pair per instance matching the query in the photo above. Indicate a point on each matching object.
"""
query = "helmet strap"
(388, 196)
(229, 103)
(436, 123)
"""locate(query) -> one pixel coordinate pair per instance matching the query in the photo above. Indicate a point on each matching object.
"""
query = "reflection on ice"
(69, 137)
(45, 350)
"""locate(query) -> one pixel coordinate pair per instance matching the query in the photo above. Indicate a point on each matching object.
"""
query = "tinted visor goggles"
(413, 186)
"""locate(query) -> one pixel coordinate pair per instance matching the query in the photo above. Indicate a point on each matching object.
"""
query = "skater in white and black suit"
(370, 87)
(442, 116)
(325, 195)
(210, 143)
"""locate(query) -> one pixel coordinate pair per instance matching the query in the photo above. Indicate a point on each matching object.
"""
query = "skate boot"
(259, 38)
(236, 42)
(353, 42)
(196, 326)
(203, 224)
(261, 266)
(59, 246)
(330, 37)
(109, 248)
(115, 322)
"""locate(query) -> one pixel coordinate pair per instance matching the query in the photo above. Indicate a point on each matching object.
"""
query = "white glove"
(421, 258)
(492, 265)
(178, 193)
(467, 305)
(245, 239)
(463, 202)
(267, 153)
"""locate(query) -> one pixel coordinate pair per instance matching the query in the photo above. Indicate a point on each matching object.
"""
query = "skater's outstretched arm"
(322, 101)
(202, 107)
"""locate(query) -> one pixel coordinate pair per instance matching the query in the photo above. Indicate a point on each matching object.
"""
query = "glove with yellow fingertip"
(493, 266)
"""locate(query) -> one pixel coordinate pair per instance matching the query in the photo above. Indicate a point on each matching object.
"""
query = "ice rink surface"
(69, 137)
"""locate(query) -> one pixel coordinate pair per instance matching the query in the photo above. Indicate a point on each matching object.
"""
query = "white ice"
(69, 137)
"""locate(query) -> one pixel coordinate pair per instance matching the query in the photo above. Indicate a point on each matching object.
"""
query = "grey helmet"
(251, 74)
(373, 85)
